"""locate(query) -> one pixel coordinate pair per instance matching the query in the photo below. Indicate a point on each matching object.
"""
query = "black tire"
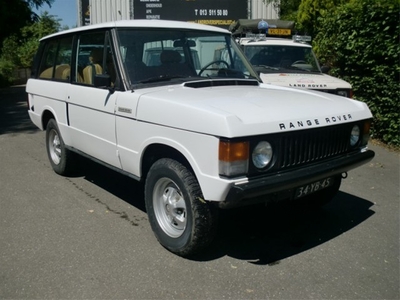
(61, 159)
(180, 218)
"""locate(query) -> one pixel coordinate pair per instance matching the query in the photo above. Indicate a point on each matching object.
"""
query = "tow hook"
(344, 175)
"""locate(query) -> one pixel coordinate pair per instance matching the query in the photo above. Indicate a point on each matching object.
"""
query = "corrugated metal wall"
(109, 10)
(258, 10)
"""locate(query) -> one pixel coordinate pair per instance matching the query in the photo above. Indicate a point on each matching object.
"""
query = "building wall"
(83, 12)
(99, 11)
(109, 10)
(258, 10)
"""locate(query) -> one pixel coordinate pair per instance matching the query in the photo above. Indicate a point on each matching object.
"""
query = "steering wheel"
(211, 63)
(299, 62)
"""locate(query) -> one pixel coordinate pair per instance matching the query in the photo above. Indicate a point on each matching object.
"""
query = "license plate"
(279, 31)
(310, 188)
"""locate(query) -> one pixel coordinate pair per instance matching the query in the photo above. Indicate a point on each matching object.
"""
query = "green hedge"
(6, 72)
(360, 41)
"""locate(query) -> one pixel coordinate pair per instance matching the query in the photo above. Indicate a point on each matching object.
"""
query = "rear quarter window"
(56, 59)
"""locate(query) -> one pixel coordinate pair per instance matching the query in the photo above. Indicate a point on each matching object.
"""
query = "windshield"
(161, 55)
(282, 58)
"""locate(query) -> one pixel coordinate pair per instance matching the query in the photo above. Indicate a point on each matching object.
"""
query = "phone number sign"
(212, 12)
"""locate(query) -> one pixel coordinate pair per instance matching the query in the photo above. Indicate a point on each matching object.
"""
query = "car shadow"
(263, 235)
(266, 235)
(14, 116)
(121, 186)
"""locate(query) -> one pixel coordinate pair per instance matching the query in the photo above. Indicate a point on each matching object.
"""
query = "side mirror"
(325, 69)
(102, 80)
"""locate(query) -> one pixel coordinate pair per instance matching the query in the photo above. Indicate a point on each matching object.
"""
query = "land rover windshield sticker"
(303, 82)
(308, 85)
(315, 122)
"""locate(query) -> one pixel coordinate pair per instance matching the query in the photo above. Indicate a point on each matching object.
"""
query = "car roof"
(143, 24)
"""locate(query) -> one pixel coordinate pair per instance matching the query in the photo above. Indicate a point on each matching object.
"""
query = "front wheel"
(61, 159)
(181, 219)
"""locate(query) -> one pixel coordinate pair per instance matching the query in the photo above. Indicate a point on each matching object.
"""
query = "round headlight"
(355, 135)
(262, 154)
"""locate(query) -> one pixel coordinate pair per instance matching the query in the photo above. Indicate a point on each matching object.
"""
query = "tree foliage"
(287, 9)
(311, 12)
(19, 49)
(360, 42)
(15, 14)
(30, 36)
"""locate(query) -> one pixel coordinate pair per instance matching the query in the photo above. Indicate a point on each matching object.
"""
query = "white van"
(200, 139)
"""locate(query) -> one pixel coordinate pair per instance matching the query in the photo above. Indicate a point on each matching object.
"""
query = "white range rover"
(201, 134)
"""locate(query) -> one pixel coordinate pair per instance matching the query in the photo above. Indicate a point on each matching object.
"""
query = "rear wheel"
(181, 220)
(61, 159)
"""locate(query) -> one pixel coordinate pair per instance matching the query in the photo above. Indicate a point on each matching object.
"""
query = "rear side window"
(56, 59)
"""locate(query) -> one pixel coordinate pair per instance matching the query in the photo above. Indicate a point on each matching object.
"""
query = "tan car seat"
(171, 64)
(96, 60)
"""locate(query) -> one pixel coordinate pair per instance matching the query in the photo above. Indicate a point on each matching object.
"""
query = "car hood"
(233, 110)
(305, 81)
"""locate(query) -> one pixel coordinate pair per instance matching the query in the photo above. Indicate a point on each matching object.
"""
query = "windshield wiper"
(161, 78)
(297, 68)
(267, 67)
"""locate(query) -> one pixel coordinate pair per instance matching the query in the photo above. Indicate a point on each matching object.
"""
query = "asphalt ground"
(88, 237)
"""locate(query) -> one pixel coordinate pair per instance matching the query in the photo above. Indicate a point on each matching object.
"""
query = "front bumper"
(282, 185)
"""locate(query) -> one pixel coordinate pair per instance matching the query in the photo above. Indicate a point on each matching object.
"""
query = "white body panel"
(118, 127)
(236, 111)
(191, 120)
(92, 122)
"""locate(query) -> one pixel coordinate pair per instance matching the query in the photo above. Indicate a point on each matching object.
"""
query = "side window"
(109, 68)
(46, 69)
(94, 57)
(56, 60)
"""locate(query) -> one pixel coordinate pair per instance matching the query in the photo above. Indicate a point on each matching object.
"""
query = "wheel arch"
(157, 151)
(46, 116)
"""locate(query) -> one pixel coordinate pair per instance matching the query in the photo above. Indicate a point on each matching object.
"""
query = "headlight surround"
(262, 155)
(342, 93)
(345, 93)
(355, 135)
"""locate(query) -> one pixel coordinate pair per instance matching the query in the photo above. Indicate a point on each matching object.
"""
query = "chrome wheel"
(61, 159)
(182, 221)
(54, 147)
(169, 207)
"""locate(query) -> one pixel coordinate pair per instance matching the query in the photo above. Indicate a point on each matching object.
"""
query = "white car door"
(91, 109)
(92, 122)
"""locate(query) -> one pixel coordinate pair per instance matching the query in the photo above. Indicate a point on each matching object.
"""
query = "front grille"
(308, 146)
(300, 148)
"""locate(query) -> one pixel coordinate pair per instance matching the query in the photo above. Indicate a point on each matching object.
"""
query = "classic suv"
(284, 61)
(200, 139)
